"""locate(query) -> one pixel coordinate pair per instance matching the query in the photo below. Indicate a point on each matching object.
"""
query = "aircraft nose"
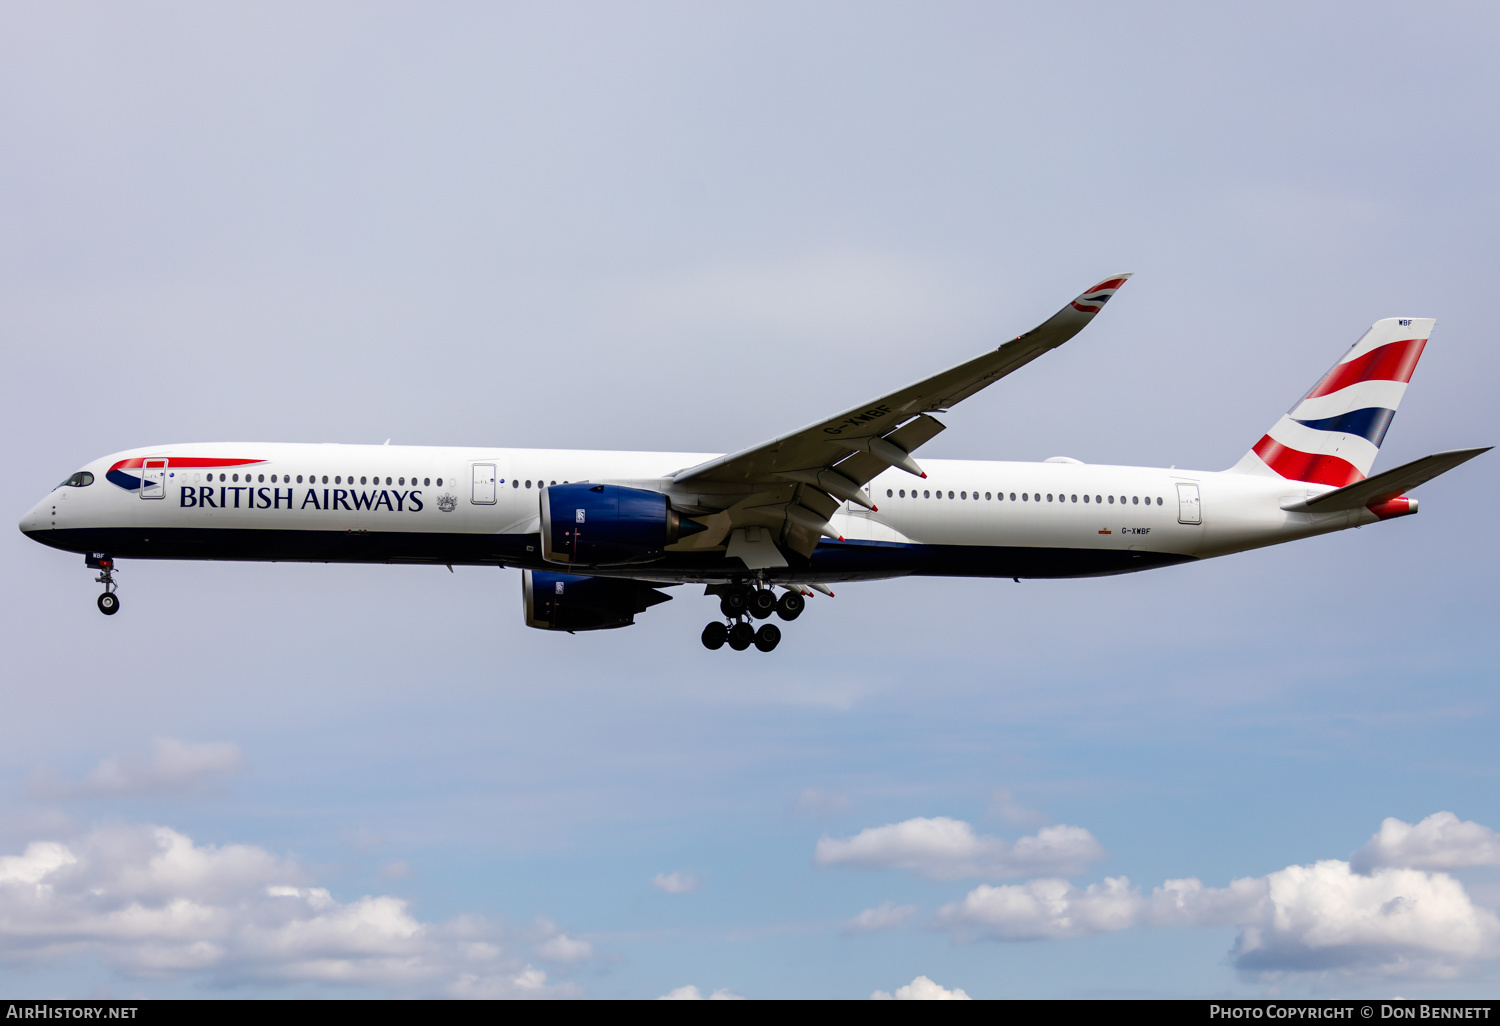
(38, 518)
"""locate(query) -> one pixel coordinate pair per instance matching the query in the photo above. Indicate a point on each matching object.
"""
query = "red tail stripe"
(1113, 283)
(1296, 465)
(181, 461)
(1393, 361)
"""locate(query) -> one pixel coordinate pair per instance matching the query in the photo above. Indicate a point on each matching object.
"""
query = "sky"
(691, 227)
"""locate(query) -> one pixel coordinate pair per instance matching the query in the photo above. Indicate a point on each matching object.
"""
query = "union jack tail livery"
(1333, 434)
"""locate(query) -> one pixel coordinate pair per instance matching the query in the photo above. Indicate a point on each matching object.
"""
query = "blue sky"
(693, 227)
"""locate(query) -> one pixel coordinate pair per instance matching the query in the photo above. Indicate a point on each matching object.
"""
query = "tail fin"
(1333, 434)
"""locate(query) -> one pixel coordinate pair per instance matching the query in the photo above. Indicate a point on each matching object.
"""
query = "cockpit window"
(82, 479)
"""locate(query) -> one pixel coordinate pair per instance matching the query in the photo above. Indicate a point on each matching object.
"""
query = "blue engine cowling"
(608, 525)
(569, 602)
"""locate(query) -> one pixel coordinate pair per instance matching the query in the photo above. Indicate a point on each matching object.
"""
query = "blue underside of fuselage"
(831, 561)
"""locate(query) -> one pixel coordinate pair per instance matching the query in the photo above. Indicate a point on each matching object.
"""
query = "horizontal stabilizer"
(1384, 487)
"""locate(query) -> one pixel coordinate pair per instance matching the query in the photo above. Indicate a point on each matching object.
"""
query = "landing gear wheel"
(714, 636)
(740, 636)
(109, 603)
(768, 637)
(735, 601)
(790, 605)
(762, 603)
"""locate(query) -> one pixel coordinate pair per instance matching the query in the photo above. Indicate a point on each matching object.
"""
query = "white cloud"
(1441, 841)
(556, 946)
(1047, 908)
(675, 883)
(1391, 922)
(692, 993)
(885, 916)
(153, 903)
(921, 989)
(947, 849)
(174, 766)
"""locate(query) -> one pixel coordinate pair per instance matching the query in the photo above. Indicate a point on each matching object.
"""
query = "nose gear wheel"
(109, 602)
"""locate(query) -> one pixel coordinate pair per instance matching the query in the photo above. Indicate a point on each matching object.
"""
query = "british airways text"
(230, 497)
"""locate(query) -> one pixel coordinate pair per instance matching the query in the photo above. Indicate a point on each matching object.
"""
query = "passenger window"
(1049, 496)
(1085, 498)
(1135, 500)
(1111, 500)
(1075, 498)
(516, 483)
(888, 494)
(950, 495)
(1025, 496)
(426, 481)
(1098, 499)
(440, 482)
(1012, 496)
(986, 496)
(926, 494)
(528, 483)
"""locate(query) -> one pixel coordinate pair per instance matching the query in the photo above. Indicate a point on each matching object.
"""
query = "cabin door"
(483, 484)
(154, 479)
(1189, 504)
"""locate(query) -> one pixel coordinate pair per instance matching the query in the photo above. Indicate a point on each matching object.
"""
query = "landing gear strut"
(109, 602)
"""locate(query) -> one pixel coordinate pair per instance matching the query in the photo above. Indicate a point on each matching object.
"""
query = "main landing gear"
(739, 603)
(109, 602)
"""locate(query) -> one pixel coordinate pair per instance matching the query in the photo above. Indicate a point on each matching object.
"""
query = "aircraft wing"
(803, 475)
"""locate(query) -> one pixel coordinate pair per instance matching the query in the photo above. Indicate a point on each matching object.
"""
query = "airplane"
(597, 535)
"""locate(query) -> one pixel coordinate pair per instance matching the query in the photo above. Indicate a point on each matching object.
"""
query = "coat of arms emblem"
(447, 503)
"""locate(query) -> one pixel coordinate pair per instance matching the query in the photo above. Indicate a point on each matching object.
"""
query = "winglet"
(1093, 300)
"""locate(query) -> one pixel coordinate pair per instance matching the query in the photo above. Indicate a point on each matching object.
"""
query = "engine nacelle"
(608, 525)
(568, 602)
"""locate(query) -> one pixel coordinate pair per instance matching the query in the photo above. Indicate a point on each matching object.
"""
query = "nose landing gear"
(109, 602)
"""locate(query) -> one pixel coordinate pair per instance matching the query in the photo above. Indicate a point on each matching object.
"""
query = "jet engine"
(608, 525)
(568, 602)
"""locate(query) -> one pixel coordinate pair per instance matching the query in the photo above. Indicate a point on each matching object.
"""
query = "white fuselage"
(362, 503)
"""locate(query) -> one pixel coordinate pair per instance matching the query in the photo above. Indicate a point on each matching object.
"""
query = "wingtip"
(1092, 301)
